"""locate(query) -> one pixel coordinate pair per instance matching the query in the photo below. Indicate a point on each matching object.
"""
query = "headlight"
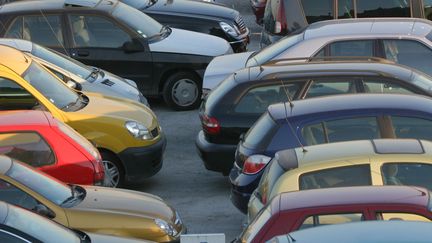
(166, 227)
(138, 130)
(229, 29)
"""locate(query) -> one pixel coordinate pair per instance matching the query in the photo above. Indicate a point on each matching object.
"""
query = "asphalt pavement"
(200, 196)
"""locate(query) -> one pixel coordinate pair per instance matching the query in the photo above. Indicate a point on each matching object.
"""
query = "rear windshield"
(261, 132)
(217, 94)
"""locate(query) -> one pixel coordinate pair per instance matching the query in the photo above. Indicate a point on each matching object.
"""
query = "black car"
(198, 16)
(116, 37)
(233, 106)
(283, 17)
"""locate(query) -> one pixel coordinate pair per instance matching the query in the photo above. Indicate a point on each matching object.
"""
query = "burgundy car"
(293, 211)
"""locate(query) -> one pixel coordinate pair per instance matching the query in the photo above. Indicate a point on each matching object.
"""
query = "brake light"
(255, 164)
(210, 124)
(281, 25)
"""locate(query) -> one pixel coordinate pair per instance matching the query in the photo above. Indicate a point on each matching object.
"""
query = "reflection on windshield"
(50, 86)
(48, 187)
(39, 227)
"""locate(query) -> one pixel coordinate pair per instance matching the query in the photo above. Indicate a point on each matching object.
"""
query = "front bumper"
(242, 187)
(143, 162)
(216, 157)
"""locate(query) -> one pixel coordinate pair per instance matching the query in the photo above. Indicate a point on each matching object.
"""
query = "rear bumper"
(216, 157)
(242, 187)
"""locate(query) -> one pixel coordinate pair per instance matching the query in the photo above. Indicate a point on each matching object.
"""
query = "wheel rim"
(184, 92)
(112, 174)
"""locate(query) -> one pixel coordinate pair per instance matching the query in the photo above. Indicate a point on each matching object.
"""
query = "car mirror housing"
(74, 85)
(133, 46)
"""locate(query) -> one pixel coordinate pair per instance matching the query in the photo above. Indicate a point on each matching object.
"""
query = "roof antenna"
(286, 115)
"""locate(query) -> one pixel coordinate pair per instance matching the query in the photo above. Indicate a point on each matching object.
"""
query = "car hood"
(193, 8)
(127, 202)
(117, 84)
(223, 66)
(193, 43)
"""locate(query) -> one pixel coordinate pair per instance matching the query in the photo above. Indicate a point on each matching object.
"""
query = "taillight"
(255, 164)
(210, 124)
(281, 25)
(99, 173)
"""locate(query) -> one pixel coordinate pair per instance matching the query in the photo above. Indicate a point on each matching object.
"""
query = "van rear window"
(260, 133)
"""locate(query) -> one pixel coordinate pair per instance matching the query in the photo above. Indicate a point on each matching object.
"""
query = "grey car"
(78, 75)
(402, 40)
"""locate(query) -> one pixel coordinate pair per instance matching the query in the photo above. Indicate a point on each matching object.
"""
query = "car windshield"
(53, 190)
(50, 86)
(39, 227)
(62, 61)
(423, 81)
(268, 53)
(140, 22)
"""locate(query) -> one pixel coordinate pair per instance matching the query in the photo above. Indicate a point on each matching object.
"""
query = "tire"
(182, 91)
(113, 168)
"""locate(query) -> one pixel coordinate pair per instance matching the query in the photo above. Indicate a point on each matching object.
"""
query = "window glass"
(11, 238)
(318, 220)
(428, 9)
(328, 87)
(410, 53)
(13, 96)
(94, 31)
(259, 134)
(360, 48)
(271, 10)
(345, 9)
(357, 175)
(411, 174)
(13, 195)
(384, 87)
(352, 129)
(314, 134)
(401, 216)
(317, 10)
(27, 147)
(256, 100)
(16, 30)
(424, 82)
(412, 127)
(383, 8)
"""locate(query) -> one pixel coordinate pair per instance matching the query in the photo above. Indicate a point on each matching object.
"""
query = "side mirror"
(74, 85)
(44, 211)
(133, 46)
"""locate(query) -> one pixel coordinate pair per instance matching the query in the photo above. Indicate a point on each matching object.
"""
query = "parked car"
(401, 40)
(325, 120)
(20, 225)
(123, 40)
(92, 209)
(126, 133)
(38, 139)
(220, 2)
(292, 211)
(284, 17)
(372, 231)
(258, 7)
(234, 106)
(374, 162)
(77, 75)
(198, 16)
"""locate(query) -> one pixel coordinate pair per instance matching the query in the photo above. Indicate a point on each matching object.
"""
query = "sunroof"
(397, 146)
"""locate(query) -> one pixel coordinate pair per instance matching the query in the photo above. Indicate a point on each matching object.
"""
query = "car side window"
(412, 127)
(96, 31)
(355, 175)
(331, 87)
(410, 174)
(28, 147)
(359, 48)
(352, 129)
(410, 53)
(317, 10)
(328, 219)
(428, 9)
(384, 87)
(45, 30)
(345, 9)
(256, 100)
(13, 195)
(13, 96)
(401, 216)
(383, 8)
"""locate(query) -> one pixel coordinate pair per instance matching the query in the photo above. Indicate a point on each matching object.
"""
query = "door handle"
(83, 53)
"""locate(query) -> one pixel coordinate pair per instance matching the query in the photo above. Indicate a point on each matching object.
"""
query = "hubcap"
(184, 92)
(112, 174)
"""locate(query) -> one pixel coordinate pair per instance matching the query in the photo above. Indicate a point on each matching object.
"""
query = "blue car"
(325, 120)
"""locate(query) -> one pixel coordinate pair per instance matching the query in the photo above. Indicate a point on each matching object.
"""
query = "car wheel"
(114, 173)
(182, 91)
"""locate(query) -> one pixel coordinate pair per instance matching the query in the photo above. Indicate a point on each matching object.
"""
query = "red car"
(293, 211)
(38, 139)
(258, 7)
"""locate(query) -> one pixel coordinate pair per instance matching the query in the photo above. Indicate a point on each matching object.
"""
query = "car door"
(100, 41)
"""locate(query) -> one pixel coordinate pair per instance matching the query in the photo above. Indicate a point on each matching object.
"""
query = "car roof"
(14, 59)
(19, 44)
(350, 102)
(325, 197)
(47, 5)
(5, 164)
(24, 117)
(369, 26)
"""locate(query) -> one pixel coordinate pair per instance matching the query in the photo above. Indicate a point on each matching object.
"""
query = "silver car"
(77, 75)
(407, 41)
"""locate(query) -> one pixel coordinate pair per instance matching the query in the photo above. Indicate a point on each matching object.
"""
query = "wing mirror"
(133, 46)
(74, 85)
(44, 211)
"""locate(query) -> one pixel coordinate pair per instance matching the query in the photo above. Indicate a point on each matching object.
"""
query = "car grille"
(154, 132)
(241, 24)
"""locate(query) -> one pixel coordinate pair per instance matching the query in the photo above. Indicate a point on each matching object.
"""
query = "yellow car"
(126, 133)
(91, 209)
(344, 164)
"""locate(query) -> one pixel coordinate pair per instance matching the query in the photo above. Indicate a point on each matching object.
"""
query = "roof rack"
(285, 61)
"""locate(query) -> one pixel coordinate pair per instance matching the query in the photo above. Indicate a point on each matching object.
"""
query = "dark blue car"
(325, 120)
